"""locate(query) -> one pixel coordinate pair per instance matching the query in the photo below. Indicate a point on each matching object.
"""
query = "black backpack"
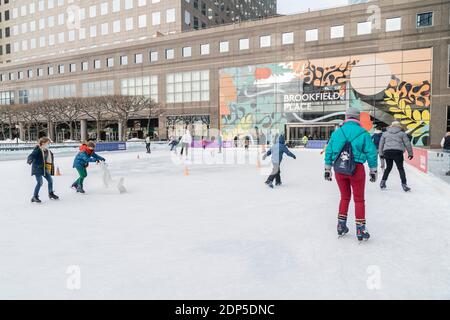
(345, 162)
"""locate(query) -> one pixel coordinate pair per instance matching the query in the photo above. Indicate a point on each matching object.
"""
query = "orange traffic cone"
(186, 171)
(58, 173)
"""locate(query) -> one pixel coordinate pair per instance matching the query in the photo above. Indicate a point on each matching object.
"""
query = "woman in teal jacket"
(363, 150)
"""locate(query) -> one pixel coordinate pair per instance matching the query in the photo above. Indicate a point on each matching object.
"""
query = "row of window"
(190, 86)
(104, 7)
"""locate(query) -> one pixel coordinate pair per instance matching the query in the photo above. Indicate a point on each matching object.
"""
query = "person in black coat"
(42, 167)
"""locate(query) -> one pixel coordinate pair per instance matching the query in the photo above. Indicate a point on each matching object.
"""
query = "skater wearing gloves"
(42, 167)
(81, 162)
(392, 146)
(349, 148)
(186, 141)
(277, 151)
(148, 144)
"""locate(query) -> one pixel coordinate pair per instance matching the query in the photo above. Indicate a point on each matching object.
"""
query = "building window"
(61, 69)
(6, 97)
(204, 49)
(141, 86)
(110, 62)
(61, 91)
(187, 18)
(187, 87)
(187, 52)
(337, 32)
(393, 24)
(72, 67)
(312, 35)
(97, 88)
(424, 19)
(224, 46)
(104, 8)
(116, 6)
(35, 94)
(156, 18)
(142, 21)
(138, 58)
(116, 26)
(153, 56)
(287, 38)
(50, 71)
(23, 96)
(170, 15)
(265, 41)
(30, 73)
(84, 66)
(244, 44)
(97, 64)
(364, 28)
(129, 24)
(128, 4)
(40, 72)
(123, 60)
(170, 54)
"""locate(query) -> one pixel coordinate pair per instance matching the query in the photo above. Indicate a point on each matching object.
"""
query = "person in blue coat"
(42, 167)
(278, 149)
(81, 162)
(363, 150)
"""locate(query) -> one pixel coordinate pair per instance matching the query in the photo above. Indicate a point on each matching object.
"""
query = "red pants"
(355, 184)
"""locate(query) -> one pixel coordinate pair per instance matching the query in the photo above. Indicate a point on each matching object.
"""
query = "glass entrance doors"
(318, 131)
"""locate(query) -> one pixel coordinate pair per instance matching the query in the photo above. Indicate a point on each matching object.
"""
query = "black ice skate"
(74, 186)
(53, 196)
(383, 184)
(80, 189)
(278, 184)
(361, 232)
(36, 199)
(405, 187)
(342, 228)
(269, 184)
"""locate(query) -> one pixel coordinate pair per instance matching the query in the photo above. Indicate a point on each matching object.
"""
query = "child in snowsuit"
(277, 151)
(42, 167)
(81, 162)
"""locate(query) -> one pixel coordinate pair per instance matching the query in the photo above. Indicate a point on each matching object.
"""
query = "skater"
(392, 146)
(236, 140)
(173, 144)
(305, 140)
(376, 141)
(220, 142)
(362, 148)
(204, 142)
(148, 143)
(81, 162)
(277, 151)
(445, 144)
(186, 141)
(246, 142)
(42, 167)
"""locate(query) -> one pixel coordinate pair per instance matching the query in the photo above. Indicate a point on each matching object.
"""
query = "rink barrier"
(110, 146)
(420, 160)
(316, 144)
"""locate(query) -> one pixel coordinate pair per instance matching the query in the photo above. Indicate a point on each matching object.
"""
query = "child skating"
(81, 162)
(278, 149)
(42, 167)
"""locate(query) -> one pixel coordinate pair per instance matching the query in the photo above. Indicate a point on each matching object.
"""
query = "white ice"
(219, 233)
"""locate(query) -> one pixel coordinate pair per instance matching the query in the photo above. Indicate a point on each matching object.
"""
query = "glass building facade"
(314, 94)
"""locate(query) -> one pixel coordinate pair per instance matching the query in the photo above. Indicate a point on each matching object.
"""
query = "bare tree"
(67, 111)
(95, 108)
(125, 108)
(8, 115)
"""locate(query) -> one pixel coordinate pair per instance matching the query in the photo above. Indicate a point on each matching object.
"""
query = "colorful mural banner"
(385, 86)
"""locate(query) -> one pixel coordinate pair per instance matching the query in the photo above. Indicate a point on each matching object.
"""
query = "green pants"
(82, 172)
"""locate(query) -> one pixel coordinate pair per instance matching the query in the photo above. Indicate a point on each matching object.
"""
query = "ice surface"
(219, 233)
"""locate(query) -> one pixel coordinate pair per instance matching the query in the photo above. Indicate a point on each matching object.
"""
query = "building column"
(21, 131)
(83, 130)
(119, 126)
(50, 130)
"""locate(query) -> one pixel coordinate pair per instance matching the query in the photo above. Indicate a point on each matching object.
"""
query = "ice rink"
(218, 233)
